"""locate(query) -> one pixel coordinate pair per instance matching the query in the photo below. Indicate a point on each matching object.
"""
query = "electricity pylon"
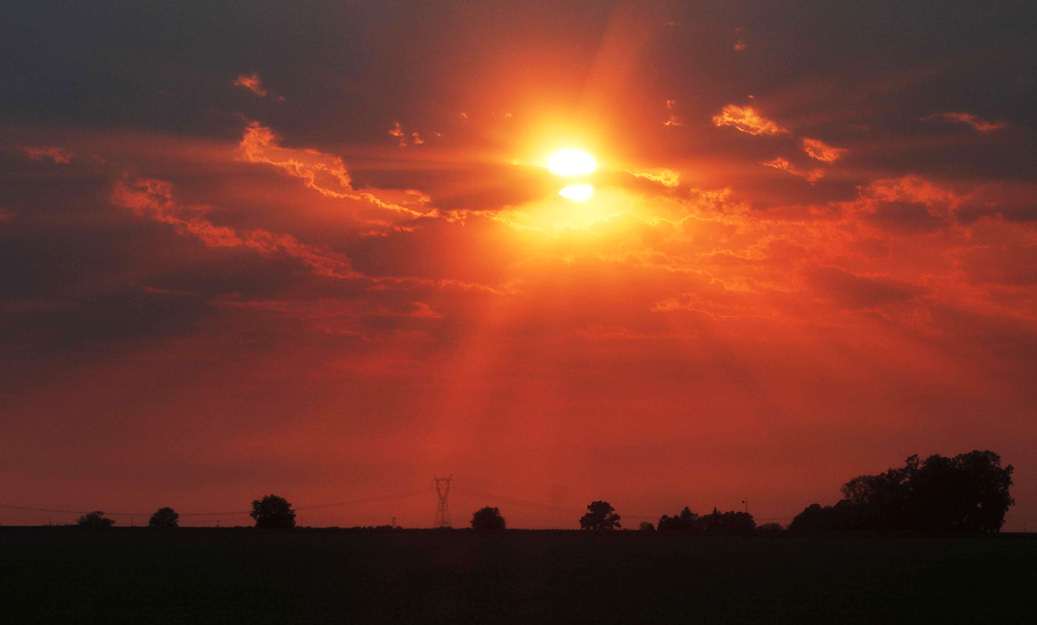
(442, 492)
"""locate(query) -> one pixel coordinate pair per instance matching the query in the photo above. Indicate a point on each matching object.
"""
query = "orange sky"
(335, 272)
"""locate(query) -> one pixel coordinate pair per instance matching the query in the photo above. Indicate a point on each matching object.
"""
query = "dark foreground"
(195, 576)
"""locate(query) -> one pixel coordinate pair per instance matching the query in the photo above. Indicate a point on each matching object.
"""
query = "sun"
(571, 162)
(577, 192)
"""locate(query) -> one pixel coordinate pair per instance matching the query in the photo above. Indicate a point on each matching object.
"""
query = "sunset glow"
(648, 251)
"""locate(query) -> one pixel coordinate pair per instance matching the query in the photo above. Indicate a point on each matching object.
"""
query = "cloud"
(402, 136)
(324, 173)
(748, 120)
(672, 119)
(911, 189)
(977, 123)
(1011, 265)
(665, 177)
(153, 198)
(782, 164)
(56, 155)
(906, 204)
(421, 310)
(740, 45)
(252, 82)
(821, 151)
(397, 133)
(859, 292)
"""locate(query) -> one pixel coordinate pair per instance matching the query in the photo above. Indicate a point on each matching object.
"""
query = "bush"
(488, 519)
(600, 517)
(95, 520)
(715, 523)
(273, 512)
(164, 518)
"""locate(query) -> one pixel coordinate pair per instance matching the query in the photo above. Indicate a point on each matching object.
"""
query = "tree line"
(967, 493)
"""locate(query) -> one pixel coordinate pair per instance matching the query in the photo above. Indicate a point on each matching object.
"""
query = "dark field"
(192, 576)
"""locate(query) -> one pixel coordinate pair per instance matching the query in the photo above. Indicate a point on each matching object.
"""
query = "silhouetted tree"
(646, 526)
(715, 523)
(815, 518)
(164, 518)
(601, 516)
(728, 523)
(812, 520)
(95, 520)
(770, 529)
(967, 493)
(488, 519)
(273, 512)
(685, 521)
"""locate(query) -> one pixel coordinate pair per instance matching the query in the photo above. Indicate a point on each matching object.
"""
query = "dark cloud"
(854, 291)
(39, 327)
(909, 217)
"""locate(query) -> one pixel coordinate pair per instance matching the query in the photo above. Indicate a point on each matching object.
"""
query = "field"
(196, 576)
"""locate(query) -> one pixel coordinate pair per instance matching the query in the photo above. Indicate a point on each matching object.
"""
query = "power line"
(566, 510)
(546, 506)
(350, 502)
(316, 506)
(443, 487)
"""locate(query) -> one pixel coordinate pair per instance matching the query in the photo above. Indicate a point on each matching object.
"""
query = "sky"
(314, 249)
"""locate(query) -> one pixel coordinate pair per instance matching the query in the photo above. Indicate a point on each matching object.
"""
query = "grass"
(197, 576)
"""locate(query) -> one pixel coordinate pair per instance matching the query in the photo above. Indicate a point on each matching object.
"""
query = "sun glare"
(569, 162)
(577, 192)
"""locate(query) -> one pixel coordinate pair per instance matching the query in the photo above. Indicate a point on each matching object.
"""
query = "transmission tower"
(442, 492)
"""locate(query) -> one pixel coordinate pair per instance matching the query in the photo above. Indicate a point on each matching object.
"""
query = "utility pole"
(745, 502)
(442, 493)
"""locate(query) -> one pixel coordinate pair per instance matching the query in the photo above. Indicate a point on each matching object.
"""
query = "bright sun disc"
(577, 192)
(571, 162)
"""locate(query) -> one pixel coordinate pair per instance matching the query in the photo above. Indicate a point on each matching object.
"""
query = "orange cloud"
(57, 155)
(911, 189)
(666, 177)
(748, 120)
(397, 133)
(810, 175)
(324, 173)
(906, 205)
(821, 151)
(152, 198)
(421, 310)
(977, 123)
(251, 82)
(672, 119)
(740, 44)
